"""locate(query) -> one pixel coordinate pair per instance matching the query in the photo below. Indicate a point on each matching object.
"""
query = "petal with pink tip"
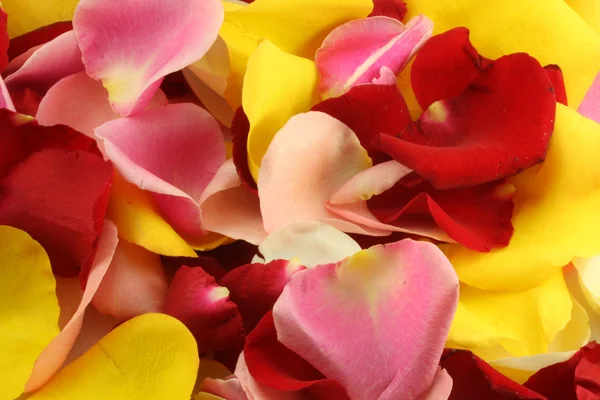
(130, 46)
(355, 52)
(53, 356)
(590, 106)
(82, 103)
(340, 317)
(135, 284)
(307, 162)
(50, 63)
(173, 151)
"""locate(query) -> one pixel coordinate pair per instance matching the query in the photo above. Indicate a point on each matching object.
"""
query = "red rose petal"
(389, 8)
(256, 287)
(240, 127)
(478, 217)
(578, 378)
(210, 265)
(369, 110)
(4, 40)
(26, 100)
(233, 255)
(197, 300)
(558, 83)
(272, 364)
(21, 44)
(499, 126)
(474, 379)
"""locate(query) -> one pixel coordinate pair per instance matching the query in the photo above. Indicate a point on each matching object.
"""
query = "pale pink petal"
(386, 77)
(376, 322)
(131, 45)
(5, 100)
(440, 388)
(355, 52)
(173, 151)
(227, 388)
(50, 63)
(82, 103)
(590, 106)
(135, 284)
(53, 356)
(307, 162)
(230, 208)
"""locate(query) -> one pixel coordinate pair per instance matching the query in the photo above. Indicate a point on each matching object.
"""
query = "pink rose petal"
(130, 46)
(440, 388)
(5, 100)
(135, 284)
(173, 151)
(355, 52)
(376, 322)
(82, 103)
(53, 356)
(590, 106)
(386, 77)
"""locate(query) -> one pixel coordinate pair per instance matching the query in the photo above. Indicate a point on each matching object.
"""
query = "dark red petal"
(474, 379)
(558, 83)
(26, 100)
(256, 287)
(478, 217)
(197, 300)
(369, 110)
(21, 44)
(240, 127)
(578, 378)
(233, 255)
(59, 197)
(4, 39)
(499, 126)
(208, 264)
(272, 364)
(444, 67)
(389, 8)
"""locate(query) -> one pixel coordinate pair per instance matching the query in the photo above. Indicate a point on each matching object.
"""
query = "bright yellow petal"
(277, 86)
(549, 30)
(588, 273)
(523, 323)
(28, 15)
(295, 26)
(589, 10)
(138, 221)
(152, 356)
(29, 309)
(556, 213)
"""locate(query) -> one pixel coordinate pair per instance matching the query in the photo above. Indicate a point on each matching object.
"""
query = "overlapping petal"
(160, 40)
(29, 15)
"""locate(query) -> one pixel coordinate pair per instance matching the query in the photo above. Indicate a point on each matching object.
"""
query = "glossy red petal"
(240, 127)
(389, 8)
(578, 378)
(275, 366)
(474, 379)
(197, 300)
(558, 83)
(499, 126)
(369, 110)
(38, 37)
(256, 287)
(478, 217)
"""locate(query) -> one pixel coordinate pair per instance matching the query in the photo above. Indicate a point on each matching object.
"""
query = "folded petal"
(55, 354)
(336, 316)
(277, 86)
(135, 284)
(27, 300)
(105, 371)
(172, 151)
(197, 300)
(159, 41)
(354, 52)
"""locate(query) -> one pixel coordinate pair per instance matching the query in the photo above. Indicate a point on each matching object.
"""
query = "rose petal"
(389, 8)
(354, 52)
(205, 308)
(335, 313)
(29, 15)
(240, 128)
(440, 388)
(161, 40)
(5, 99)
(21, 44)
(4, 40)
(558, 83)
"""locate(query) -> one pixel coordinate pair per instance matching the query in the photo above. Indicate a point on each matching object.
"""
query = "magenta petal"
(130, 46)
(590, 106)
(355, 52)
(376, 322)
(173, 151)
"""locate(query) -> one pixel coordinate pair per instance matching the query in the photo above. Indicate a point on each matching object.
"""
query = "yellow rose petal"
(556, 213)
(29, 308)
(152, 356)
(524, 323)
(28, 15)
(277, 86)
(549, 30)
(589, 10)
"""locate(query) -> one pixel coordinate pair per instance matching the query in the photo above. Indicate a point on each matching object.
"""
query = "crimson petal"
(558, 83)
(240, 127)
(389, 8)
(4, 40)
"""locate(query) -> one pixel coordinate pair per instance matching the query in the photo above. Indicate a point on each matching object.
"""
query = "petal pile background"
(300, 199)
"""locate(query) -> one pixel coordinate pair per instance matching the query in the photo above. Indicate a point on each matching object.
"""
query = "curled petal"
(160, 41)
(335, 313)
(355, 52)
